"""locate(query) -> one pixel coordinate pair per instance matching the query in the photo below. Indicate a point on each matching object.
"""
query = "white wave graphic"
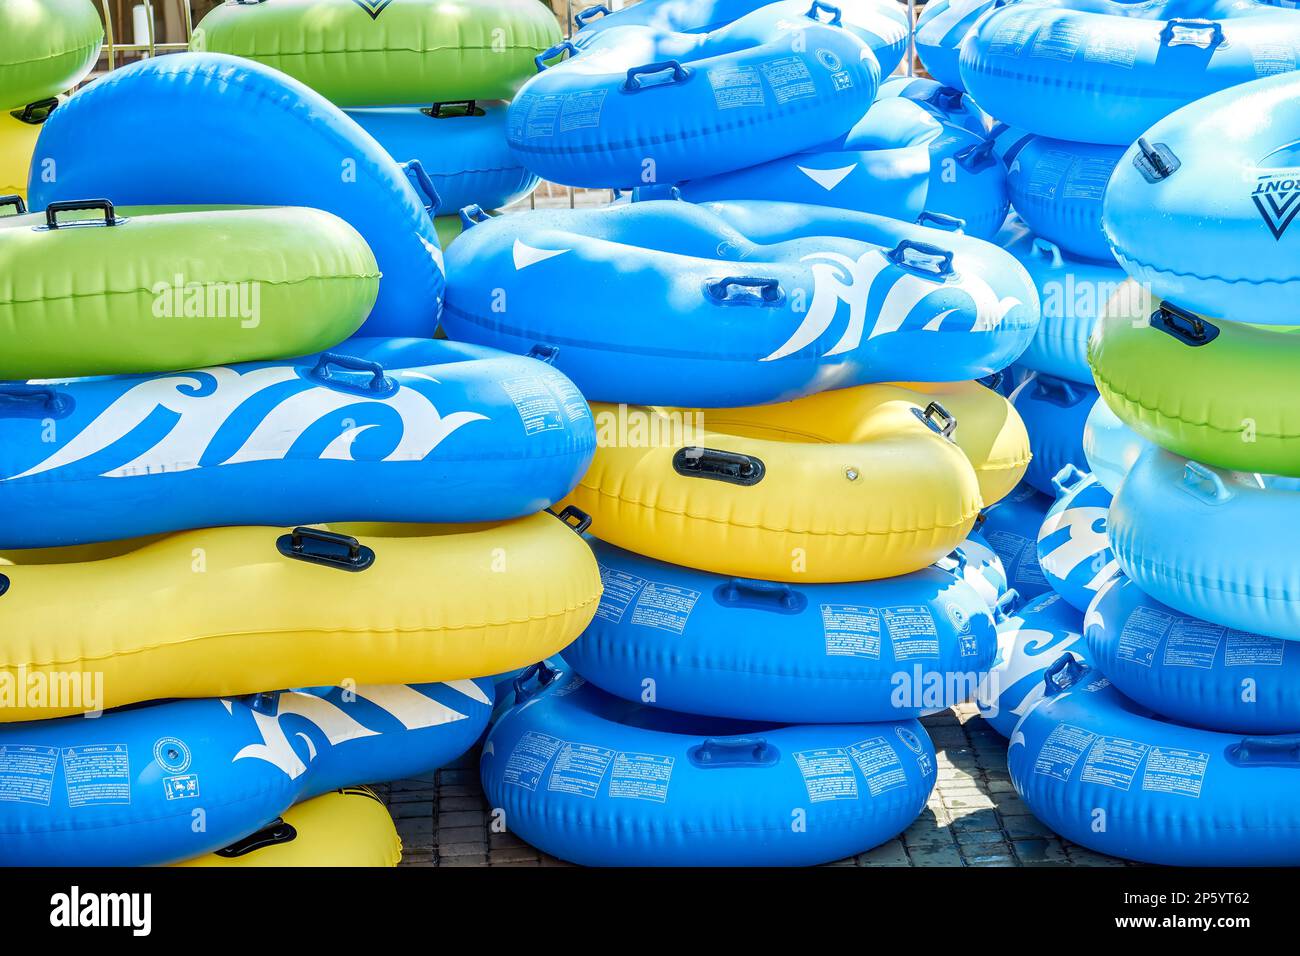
(1081, 546)
(840, 279)
(202, 416)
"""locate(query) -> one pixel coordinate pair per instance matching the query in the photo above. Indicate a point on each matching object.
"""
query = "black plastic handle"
(761, 595)
(28, 115)
(462, 109)
(274, 833)
(718, 465)
(1187, 327)
(75, 205)
(327, 548)
(575, 518)
(1155, 163)
(20, 207)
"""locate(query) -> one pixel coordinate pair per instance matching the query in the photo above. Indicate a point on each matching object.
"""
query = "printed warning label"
(736, 86)
(879, 764)
(827, 774)
(1172, 770)
(851, 630)
(790, 79)
(581, 110)
(579, 769)
(181, 787)
(912, 631)
(1062, 750)
(1193, 643)
(664, 606)
(528, 760)
(1113, 762)
(637, 776)
(620, 590)
(1243, 649)
(1142, 634)
(96, 775)
(27, 774)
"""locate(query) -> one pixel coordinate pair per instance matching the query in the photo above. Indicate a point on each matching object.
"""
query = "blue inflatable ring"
(123, 790)
(1011, 529)
(1054, 411)
(1073, 547)
(1106, 773)
(1192, 671)
(461, 147)
(416, 430)
(881, 24)
(901, 160)
(247, 135)
(1211, 543)
(737, 303)
(635, 105)
(1210, 223)
(1110, 446)
(944, 102)
(940, 30)
(601, 781)
(700, 643)
(1029, 642)
(1072, 294)
(1057, 188)
(1103, 71)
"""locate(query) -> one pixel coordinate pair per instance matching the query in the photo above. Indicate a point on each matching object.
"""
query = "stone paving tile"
(973, 818)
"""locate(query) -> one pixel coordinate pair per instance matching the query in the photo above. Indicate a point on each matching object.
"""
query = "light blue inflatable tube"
(1072, 294)
(1057, 188)
(128, 788)
(1110, 446)
(461, 146)
(1192, 671)
(701, 643)
(1211, 543)
(1106, 773)
(225, 130)
(1073, 547)
(1209, 222)
(881, 24)
(1011, 528)
(1054, 411)
(600, 781)
(1029, 642)
(1104, 71)
(377, 430)
(737, 303)
(945, 102)
(635, 105)
(900, 160)
(940, 29)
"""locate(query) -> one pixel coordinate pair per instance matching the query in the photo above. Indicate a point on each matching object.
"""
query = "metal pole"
(911, 37)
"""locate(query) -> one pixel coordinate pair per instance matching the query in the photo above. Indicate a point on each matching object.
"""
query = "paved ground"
(974, 817)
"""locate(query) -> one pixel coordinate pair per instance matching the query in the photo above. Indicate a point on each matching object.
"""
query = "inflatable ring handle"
(544, 673)
(74, 205)
(20, 206)
(553, 52)
(633, 82)
(1266, 751)
(1068, 665)
(1006, 605)
(1170, 32)
(421, 182)
(941, 270)
(327, 548)
(1155, 163)
(435, 110)
(939, 419)
(977, 156)
(1046, 249)
(1057, 390)
(820, 5)
(760, 595)
(1206, 483)
(1187, 327)
(273, 834)
(472, 215)
(718, 465)
(770, 292)
(584, 17)
(4, 585)
(28, 115)
(574, 517)
(941, 220)
(734, 752)
(1067, 479)
(380, 384)
(544, 353)
(993, 381)
(946, 98)
(266, 702)
(38, 399)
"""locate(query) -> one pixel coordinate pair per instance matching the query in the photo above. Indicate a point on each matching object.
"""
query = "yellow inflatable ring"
(847, 485)
(222, 612)
(349, 827)
(18, 132)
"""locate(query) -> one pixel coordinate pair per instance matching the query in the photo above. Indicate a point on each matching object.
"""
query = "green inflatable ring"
(1221, 393)
(388, 52)
(162, 290)
(46, 47)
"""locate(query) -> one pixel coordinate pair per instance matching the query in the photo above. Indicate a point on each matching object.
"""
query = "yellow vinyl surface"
(857, 485)
(220, 612)
(344, 828)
